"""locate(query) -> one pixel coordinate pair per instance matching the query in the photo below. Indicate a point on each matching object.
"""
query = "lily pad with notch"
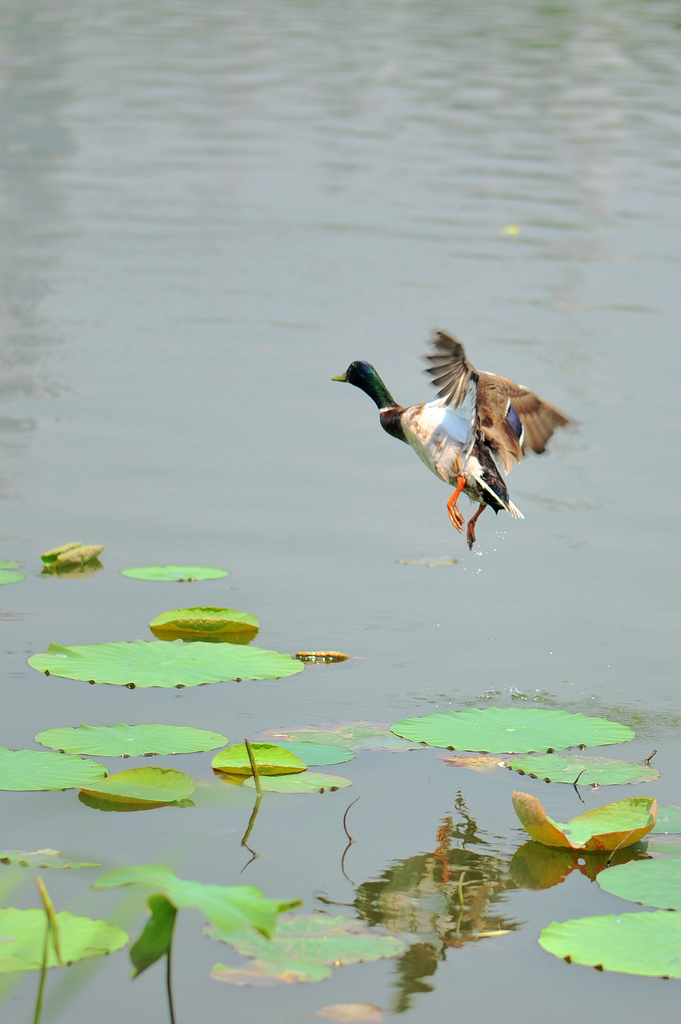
(161, 663)
(510, 730)
(131, 740)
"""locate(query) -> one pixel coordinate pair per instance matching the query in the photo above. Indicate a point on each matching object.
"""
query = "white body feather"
(442, 436)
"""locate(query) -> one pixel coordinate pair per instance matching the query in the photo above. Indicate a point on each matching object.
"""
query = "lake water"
(208, 210)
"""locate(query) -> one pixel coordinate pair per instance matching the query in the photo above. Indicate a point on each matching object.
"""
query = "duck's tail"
(515, 512)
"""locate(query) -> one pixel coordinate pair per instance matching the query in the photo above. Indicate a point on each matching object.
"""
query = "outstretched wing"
(539, 418)
(449, 368)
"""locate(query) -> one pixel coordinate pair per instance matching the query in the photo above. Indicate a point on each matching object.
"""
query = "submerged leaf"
(304, 948)
(511, 730)
(477, 762)
(157, 935)
(79, 937)
(43, 859)
(130, 740)
(351, 735)
(206, 624)
(269, 760)
(654, 883)
(144, 786)
(31, 770)
(317, 754)
(232, 908)
(158, 663)
(304, 782)
(640, 943)
(610, 827)
(175, 573)
(582, 770)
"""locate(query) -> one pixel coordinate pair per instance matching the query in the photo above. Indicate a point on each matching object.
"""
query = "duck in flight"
(475, 431)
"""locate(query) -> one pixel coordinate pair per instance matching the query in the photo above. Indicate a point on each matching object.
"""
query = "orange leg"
(470, 531)
(455, 516)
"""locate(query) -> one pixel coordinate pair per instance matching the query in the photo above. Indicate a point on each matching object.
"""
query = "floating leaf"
(641, 943)
(130, 740)
(511, 730)
(320, 657)
(157, 935)
(669, 846)
(263, 973)
(610, 827)
(175, 573)
(79, 937)
(209, 624)
(351, 1013)
(306, 948)
(305, 782)
(144, 786)
(31, 770)
(232, 908)
(43, 859)
(269, 760)
(477, 762)
(71, 556)
(655, 883)
(578, 768)
(668, 820)
(317, 754)
(158, 663)
(351, 735)
(8, 573)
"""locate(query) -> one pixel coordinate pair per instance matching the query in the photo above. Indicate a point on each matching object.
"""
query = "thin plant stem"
(43, 974)
(256, 777)
(169, 989)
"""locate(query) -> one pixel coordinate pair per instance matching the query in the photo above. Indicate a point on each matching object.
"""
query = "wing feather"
(449, 368)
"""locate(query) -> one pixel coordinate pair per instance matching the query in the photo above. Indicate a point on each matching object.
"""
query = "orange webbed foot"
(455, 516)
(470, 530)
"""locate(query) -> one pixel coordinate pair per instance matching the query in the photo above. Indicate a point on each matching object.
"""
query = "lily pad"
(307, 948)
(208, 624)
(654, 883)
(668, 820)
(32, 770)
(320, 657)
(156, 938)
(640, 943)
(304, 782)
(130, 740)
(578, 768)
(476, 762)
(610, 827)
(71, 556)
(317, 754)
(269, 760)
(158, 663)
(79, 937)
(511, 730)
(175, 573)
(232, 908)
(8, 573)
(351, 736)
(43, 859)
(144, 786)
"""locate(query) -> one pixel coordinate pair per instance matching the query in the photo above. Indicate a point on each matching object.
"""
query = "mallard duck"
(472, 434)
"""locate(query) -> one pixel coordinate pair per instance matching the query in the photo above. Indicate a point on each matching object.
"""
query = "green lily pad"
(511, 730)
(8, 573)
(23, 932)
(306, 948)
(156, 938)
(32, 770)
(232, 908)
(71, 556)
(668, 820)
(43, 859)
(318, 754)
(159, 663)
(305, 782)
(641, 943)
(269, 760)
(610, 827)
(175, 573)
(144, 786)
(655, 883)
(350, 736)
(130, 740)
(583, 770)
(208, 624)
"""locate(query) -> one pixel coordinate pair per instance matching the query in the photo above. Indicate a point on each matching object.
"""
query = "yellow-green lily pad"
(208, 624)
(23, 932)
(269, 760)
(144, 786)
